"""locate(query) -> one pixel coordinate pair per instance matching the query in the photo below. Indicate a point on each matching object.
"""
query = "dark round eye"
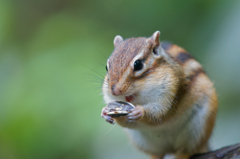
(106, 68)
(138, 65)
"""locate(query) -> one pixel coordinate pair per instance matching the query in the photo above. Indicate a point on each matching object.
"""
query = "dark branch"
(229, 152)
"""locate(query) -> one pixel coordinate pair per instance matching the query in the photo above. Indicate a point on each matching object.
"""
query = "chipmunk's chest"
(171, 136)
(155, 141)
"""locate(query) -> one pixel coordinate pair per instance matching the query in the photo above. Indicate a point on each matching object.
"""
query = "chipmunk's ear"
(156, 43)
(117, 40)
(155, 38)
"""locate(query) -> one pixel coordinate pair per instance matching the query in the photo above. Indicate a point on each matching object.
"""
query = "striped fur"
(173, 91)
(190, 66)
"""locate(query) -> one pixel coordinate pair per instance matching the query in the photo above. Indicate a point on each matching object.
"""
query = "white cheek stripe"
(107, 63)
(139, 56)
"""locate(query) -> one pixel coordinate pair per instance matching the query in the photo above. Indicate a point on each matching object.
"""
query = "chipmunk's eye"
(106, 68)
(138, 65)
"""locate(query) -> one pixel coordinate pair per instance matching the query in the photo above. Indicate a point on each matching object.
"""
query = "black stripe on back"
(182, 57)
(195, 74)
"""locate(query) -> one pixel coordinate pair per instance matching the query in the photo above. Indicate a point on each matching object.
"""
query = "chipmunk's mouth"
(130, 98)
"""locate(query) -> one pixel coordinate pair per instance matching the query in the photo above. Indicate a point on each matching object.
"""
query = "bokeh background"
(52, 60)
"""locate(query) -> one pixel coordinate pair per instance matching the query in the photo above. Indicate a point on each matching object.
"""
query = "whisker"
(101, 53)
(94, 71)
(109, 130)
(95, 76)
(101, 64)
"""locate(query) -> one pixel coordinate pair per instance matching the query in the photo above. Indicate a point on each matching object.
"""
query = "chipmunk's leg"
(132, 118)
(104, 115)
(135, 114)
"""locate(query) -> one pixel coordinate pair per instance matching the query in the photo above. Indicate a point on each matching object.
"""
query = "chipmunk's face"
(131, 64)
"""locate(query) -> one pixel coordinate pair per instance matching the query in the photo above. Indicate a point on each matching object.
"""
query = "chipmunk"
(175, 101)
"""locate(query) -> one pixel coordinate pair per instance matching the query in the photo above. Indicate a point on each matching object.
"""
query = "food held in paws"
(119, 108)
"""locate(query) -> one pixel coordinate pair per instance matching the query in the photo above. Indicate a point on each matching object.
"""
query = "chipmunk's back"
(191, 67)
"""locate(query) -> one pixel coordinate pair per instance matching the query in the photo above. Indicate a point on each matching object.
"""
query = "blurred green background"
(52, 59)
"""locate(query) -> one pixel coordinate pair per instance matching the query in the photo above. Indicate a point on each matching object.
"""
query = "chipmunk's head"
(131, 63)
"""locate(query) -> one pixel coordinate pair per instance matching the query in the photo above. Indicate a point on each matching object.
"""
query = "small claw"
(135, 114)
(131, 121)
(108, 119)
(129, 117)
(104, 115)
(130, 114)
(105, 110)
(111, 121)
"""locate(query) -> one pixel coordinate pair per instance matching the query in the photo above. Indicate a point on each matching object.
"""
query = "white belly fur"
(183, 134)
(173, 136)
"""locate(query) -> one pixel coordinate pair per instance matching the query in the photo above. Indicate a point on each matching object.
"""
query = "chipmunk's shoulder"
(176, 52)
(192, 68)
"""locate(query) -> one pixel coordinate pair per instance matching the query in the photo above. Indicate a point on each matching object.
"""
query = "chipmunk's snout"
(115, 90)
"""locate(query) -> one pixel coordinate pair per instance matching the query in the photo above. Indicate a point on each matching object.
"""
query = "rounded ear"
(117, 40)
(155, 37)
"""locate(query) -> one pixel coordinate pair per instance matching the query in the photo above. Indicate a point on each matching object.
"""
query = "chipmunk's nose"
(116, 91)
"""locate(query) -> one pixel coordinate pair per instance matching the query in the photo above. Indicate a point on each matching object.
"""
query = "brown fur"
(189, 84)
(178, 90)
(123, 55)
(199, 86)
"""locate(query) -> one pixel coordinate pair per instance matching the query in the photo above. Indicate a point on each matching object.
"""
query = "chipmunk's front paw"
(135, 114)
(104, 115)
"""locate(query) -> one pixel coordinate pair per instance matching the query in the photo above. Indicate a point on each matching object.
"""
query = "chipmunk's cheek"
(136, 114)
